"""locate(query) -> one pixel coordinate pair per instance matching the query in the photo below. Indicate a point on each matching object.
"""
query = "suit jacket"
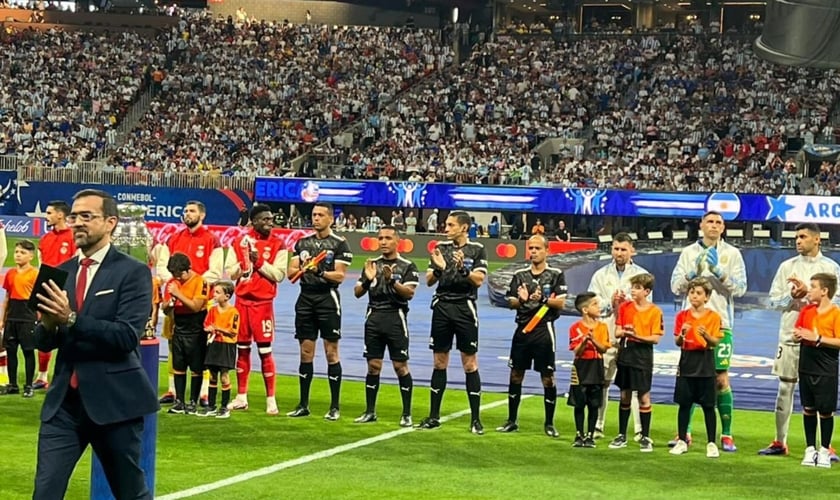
(103, 346)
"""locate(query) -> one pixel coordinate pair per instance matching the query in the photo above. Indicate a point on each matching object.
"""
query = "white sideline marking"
(246, 476)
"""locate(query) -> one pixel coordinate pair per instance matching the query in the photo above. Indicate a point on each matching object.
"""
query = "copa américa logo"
(310, 192)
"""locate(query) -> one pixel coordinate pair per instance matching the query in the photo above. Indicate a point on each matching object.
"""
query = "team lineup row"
(256, 263)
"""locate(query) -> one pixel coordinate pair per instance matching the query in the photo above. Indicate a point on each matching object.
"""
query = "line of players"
(458, 268)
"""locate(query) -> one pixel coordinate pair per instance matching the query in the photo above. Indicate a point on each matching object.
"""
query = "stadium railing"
(96, 175)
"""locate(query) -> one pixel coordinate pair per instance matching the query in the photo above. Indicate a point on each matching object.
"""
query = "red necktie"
(81, 286)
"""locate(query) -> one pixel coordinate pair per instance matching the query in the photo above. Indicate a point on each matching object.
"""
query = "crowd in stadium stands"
(243, 97)
(247, 97)
(77, 87)
(702, 114)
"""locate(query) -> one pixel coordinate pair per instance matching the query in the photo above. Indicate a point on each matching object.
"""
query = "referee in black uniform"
(318, 307)
(459, 267)
(531, 289)
(390, 281)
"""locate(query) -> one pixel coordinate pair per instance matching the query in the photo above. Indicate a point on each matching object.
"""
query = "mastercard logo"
(371, 244)
(506, 250)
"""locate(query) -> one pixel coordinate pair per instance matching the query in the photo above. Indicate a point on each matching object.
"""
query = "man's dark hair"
(391, 228)
(623, 237)
(202, 208)
(60, 206)
(258, 209)
(178, 264)
(326, 205)
(712, 212)
(808, 226)
(109, 204)
(461, 217)
(226, 286)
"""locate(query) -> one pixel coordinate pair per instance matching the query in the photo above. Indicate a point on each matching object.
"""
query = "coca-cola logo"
(162, 231)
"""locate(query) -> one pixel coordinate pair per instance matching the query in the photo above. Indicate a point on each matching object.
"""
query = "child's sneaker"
(676, 439)
(589, 442)
(712, 451)
(210, 411)
(223, 413)
(28, 392)
(824, 458)
(810, 458)
(645, 444)
(578, 443)
(679, 448)
(620, 441)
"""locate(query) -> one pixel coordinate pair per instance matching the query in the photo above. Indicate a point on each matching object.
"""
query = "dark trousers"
(63, 439)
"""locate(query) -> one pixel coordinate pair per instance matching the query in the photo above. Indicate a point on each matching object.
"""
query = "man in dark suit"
(100, 391)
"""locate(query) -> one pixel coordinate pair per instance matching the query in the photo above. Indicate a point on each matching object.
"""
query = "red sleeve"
(210, 319)
(804, 313)
(576, 335)
(8, 279)
(678, 322)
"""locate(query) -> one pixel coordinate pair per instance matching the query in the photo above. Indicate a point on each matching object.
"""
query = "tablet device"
(45, 274)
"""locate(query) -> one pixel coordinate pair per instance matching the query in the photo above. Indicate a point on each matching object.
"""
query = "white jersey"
(802, 268)
(606, 281)
(731, 264)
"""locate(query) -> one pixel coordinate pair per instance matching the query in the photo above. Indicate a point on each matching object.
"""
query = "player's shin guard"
(305, 371)
(268, 369)
(171, 371)
(474, 393)
(725, 401)
(826, 429)
(438, 387)
(634, 410)
(44, 363)
(371, 391)
(243, 368)
(644, 416)
(784, 408)
(4, 372)
(334, 376)
(623, 418)
(514, 395)
(205, 383)
(809, 422)
(406, 389)
(711, 423)
(602, 410)
(550, 403)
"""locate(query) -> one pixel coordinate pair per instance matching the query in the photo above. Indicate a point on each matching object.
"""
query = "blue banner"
(162, 204)
(546, 200)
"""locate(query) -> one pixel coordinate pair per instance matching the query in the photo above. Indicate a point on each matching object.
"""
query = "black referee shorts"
(318, 314)
(386, 328)
(536, 348)
(454, 319)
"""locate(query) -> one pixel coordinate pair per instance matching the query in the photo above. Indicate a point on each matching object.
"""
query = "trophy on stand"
(132, 237)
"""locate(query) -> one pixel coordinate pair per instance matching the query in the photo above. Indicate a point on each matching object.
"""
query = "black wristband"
(464, 272)
(366, 283)
(437, 273)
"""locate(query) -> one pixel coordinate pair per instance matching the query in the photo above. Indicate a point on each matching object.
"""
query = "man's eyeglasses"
(83, 217)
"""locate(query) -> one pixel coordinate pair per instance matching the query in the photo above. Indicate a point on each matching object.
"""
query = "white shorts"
(610, 364)
(786, 364)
